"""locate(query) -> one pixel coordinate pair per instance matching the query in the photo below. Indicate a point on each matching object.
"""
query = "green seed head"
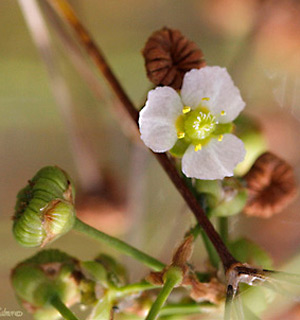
(199, 124)
(198, 127)
(48, 273)
(45, 208)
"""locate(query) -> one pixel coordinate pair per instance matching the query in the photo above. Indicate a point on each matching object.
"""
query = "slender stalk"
(172, 277)
(135, 287)
(212, 253)
(186, 308)
(62, 308)
(223, 228)
(63, 8)
(119, 245)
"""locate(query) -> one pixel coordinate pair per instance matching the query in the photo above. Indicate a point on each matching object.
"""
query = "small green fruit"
(47, 274)
(45, 208)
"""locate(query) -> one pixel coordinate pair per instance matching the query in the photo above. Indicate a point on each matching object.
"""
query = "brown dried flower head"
(169, 55)
(213, 291)
(180, 259)
(271, 186)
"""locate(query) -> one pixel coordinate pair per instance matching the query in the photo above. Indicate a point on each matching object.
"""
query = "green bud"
(247, 251)
(45, 208)
(49, 273)
(212, 189)
(230, 207)
(88, 292)
(223, 198)
(95, 281)
(116, 272)
(95, 271)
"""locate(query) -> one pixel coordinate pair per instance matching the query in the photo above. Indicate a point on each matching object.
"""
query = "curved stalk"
(172, 277)
(134, 288)
(62, 308)
(119, 245)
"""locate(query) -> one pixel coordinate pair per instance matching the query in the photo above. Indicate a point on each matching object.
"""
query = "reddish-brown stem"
(65, 11)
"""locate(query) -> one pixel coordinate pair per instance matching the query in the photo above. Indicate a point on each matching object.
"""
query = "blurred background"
(121, 188)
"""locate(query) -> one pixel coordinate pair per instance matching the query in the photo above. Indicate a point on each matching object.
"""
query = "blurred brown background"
(259, 43)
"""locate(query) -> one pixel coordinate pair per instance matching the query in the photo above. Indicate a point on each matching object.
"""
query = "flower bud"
(247, 251)
(223, 198)
(45, 208)
(49, 273)
(116, 273)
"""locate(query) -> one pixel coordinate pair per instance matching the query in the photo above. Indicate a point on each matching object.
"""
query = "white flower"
(200, 119)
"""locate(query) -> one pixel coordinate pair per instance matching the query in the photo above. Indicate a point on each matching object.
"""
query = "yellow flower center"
(196, 126)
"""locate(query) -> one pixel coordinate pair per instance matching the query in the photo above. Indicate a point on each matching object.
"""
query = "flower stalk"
(119, 245)
(62, 308)
(186, 309)
(172, 278)
(211, 251)
(134, 288)
(223, 228)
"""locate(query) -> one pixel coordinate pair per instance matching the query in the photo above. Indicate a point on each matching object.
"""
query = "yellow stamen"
(198, 147)
(223, 113)
(186, 109)
(220, 138)
(180, 135)
(205, 99)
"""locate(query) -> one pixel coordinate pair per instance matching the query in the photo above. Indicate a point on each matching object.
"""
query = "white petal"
(158, 117)
(215, 160)
(216, 84)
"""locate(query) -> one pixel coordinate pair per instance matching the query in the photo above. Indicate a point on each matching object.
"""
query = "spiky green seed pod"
(49, 273)
(45, 208)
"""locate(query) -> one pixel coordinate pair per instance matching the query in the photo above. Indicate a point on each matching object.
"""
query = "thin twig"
(65, 11)
(87, 167)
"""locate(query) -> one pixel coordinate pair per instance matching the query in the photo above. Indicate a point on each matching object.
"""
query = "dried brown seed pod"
(271, 186)
(169, 55)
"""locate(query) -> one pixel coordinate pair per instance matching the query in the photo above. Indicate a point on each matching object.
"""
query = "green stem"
(223, 228)
(135, 287)
(119, 245)
(211, 251)
(186, 308)
(62, 308)
(172, 277)
(195, 231)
